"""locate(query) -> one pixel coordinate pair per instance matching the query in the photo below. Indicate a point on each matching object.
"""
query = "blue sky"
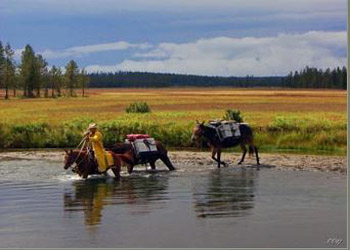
(207, 37)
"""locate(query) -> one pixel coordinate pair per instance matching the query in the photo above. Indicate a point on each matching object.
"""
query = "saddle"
(143, 145)
(226, 130)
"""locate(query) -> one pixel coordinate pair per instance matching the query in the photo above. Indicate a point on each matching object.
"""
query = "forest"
(305, 78)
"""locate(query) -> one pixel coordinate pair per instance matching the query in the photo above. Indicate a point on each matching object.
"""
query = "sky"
(205, 37)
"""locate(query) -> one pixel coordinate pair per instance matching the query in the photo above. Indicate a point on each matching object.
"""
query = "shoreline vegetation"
(310, 121)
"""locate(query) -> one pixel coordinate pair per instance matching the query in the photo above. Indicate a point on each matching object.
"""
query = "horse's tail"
(251, 150)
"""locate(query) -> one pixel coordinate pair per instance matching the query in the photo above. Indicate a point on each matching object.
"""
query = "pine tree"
(83, 81)
(326, 78)
(28, 69)
(59, 81)
(71, 77)
(345, 80)
(42, 75)
(2, 64)
(56, 81)
(9, 70)
(16, 81)
(296, 79)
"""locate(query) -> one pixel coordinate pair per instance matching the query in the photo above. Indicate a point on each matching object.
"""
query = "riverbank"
(334, 164)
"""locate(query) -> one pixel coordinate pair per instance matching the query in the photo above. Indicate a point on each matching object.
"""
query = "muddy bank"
(277, 161)
(336, 164)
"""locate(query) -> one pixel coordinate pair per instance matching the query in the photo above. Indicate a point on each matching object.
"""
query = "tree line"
(35, 78)
(317, 78)
(146, 79)
(305, 78)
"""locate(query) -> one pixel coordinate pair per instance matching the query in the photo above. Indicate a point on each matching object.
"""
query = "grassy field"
(299, 120)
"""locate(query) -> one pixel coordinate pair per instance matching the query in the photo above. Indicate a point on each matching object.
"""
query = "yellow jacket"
(104, 159)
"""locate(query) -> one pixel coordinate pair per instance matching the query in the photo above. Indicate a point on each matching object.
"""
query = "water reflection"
(92, 195)
(226, 193)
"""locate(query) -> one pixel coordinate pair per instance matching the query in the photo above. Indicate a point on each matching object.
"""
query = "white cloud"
(87, 49)
(227, 56)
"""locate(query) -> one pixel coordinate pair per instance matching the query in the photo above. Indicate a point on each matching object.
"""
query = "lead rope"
(81, 150)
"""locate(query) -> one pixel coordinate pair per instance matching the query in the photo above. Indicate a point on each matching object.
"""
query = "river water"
(43, 205)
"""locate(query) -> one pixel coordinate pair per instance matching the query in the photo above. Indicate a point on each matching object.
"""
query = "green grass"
(284, 133)
(283, 120)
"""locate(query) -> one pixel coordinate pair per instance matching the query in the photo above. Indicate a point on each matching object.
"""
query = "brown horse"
(86, 165)
(200, 130)
(127, 150)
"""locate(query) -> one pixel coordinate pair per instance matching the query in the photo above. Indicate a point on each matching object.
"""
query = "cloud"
(226, 56)
(87, 49)
(264, 17)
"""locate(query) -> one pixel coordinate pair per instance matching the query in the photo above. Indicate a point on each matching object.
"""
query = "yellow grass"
(259, 106)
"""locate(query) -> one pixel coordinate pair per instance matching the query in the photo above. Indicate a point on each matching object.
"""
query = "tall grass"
(283, 133)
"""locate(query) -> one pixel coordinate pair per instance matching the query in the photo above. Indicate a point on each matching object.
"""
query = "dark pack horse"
(127, 150)
(200, 130)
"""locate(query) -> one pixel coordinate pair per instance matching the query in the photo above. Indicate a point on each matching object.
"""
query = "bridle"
(82, 143)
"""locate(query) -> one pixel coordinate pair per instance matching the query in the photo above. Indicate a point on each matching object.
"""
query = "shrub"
(232, 114)
(138, 107)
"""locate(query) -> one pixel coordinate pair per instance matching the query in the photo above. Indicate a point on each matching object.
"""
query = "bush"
(138, 107)
(232, 114)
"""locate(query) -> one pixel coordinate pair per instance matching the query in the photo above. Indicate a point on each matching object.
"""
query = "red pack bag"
(133, 137)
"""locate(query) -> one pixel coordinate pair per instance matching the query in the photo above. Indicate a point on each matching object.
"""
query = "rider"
(104, 159)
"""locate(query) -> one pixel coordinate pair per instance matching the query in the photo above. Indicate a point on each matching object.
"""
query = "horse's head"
(197, 132)
(69, 158)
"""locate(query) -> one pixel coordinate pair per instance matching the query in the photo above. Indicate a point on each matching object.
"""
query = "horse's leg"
(213, 153)
(116, 172)
(244, 149)
(117, 166)
(130, 168)
(152, 163)
(217, 152)
(165, 159)
(128, 160)
(218, 156)
(257, 155)
(85, 174)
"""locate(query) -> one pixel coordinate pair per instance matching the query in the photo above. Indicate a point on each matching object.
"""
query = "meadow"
(308, 121)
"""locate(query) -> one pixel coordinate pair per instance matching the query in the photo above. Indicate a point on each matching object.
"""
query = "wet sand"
(335, 164)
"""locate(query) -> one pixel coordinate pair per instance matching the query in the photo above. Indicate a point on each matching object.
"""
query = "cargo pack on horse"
(216, 144)
(86, 165)
(128, 149)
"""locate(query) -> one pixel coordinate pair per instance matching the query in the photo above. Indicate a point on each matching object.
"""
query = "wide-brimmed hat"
(92, 125)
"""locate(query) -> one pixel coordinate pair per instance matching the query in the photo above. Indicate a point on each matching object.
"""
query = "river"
(44, 206)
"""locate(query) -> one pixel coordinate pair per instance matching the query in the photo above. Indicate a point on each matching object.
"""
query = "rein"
(82, 144)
